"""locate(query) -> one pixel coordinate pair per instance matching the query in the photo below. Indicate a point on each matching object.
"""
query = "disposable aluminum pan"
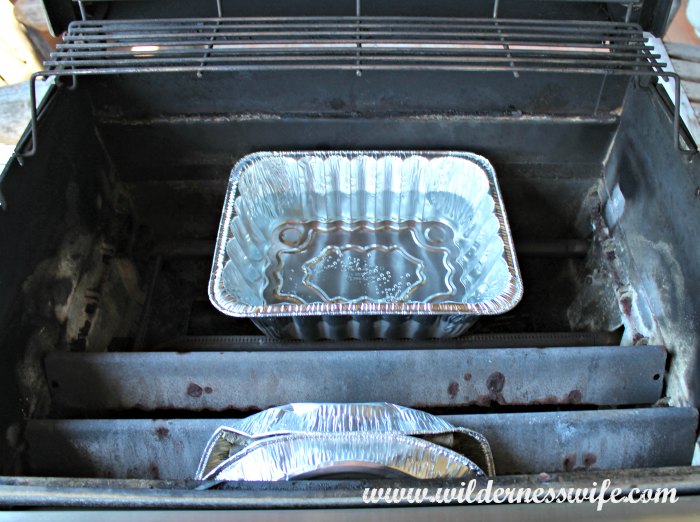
(337, 245)
(344, 455)
(365, 420)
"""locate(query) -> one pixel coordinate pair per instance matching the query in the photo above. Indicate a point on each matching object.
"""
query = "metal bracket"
(17, 152)
(21, 155)
(83, 13)
(687, 114)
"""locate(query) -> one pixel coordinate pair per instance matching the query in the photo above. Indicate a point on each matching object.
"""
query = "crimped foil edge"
(285, 456)
(338, 417)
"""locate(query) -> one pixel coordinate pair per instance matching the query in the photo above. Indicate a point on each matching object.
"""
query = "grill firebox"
(112, 207)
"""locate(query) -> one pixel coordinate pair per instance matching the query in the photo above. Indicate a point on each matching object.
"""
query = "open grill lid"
(652, 15)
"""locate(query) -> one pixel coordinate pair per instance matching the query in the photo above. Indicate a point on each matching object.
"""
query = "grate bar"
(368, 62)
(551, 43)
(311, 29)
(305, 20)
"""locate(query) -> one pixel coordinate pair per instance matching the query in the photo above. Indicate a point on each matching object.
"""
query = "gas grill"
(116, 368)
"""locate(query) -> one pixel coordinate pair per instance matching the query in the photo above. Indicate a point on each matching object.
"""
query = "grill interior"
(361, 44)
(113, 213)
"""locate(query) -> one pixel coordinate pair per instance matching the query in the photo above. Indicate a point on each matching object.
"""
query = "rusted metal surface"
(550, 442)
(223, 381)
(586, 440)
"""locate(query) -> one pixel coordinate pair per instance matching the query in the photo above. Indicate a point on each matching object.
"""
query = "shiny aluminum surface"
(331, 455)
(362, 419)
(339, 417)
(341, 262)
(364, 236)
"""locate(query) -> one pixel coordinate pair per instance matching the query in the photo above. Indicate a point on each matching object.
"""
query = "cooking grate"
(354, 43)
(199, 45)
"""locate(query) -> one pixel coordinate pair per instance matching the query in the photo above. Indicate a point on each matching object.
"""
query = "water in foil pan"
(337, 245)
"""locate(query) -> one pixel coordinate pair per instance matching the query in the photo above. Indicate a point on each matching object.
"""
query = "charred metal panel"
(521, 442)
(223, 381)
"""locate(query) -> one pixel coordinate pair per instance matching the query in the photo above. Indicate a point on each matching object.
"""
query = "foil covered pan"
(361, 419)
(343, 455)
(377, 244)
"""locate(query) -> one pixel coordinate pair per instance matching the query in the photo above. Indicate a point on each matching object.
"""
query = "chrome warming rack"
(359, 43)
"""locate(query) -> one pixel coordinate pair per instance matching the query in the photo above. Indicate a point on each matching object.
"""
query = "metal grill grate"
(357, 44)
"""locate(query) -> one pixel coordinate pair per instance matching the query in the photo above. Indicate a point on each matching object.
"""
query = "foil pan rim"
(228, 305)
(488, 468)
(364, 444)
(354, 416)
(315, 418)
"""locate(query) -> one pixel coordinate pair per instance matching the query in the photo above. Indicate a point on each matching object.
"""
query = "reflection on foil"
(333, 440)
(371, 244)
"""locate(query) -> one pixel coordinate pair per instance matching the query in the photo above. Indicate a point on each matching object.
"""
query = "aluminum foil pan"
(344, 455)
(364, 244)
(339, 418)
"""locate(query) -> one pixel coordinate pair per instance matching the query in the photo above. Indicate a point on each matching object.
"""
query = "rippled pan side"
(364, 245)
